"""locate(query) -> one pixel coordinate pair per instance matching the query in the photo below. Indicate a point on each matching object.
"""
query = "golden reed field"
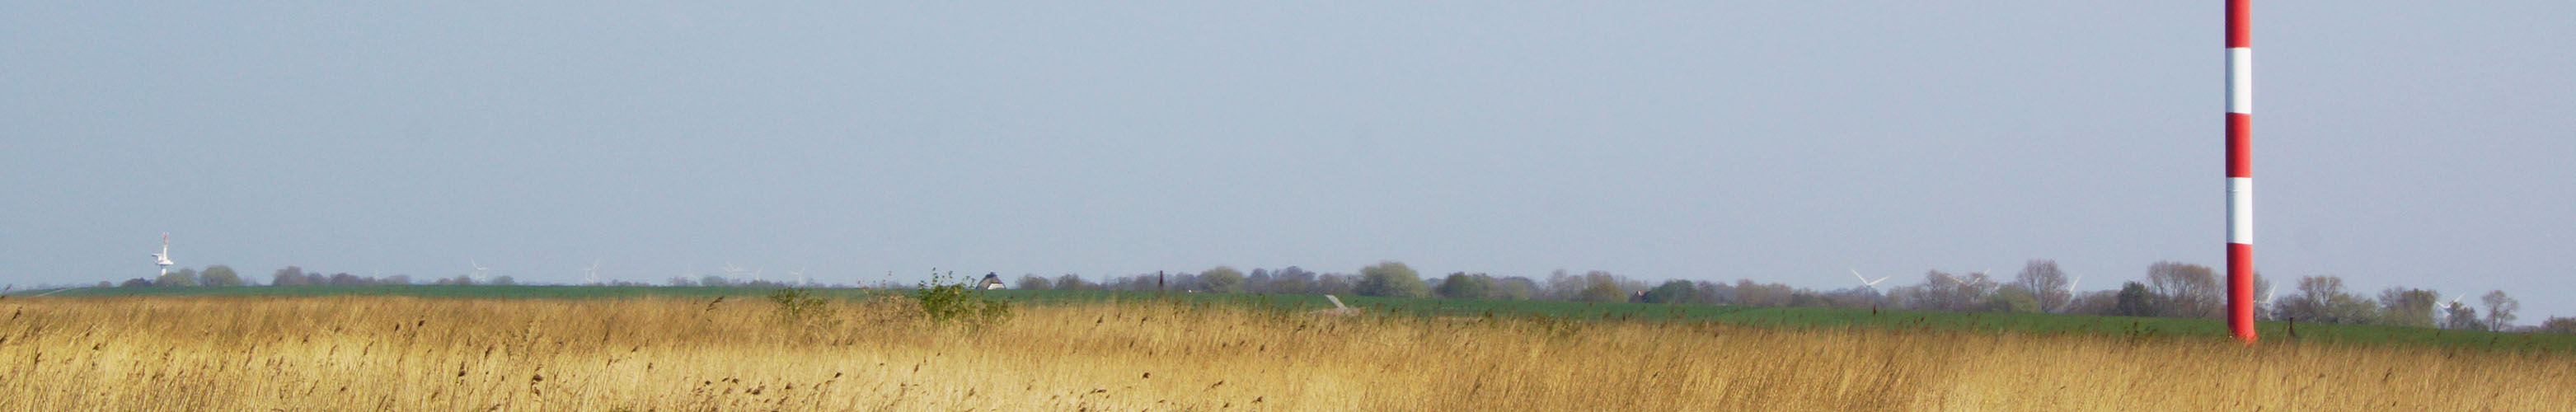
(411, 354)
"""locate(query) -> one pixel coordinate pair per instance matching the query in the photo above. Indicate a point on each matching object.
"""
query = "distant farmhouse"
(991, 282)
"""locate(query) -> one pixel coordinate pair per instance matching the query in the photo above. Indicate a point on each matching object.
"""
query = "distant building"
(991, 282)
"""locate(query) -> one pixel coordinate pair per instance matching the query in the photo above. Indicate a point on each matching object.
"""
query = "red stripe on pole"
(2239, 23)
(2240, 290)
(2240, 145)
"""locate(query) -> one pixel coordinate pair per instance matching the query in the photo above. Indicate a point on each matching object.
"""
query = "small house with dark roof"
(991, 281)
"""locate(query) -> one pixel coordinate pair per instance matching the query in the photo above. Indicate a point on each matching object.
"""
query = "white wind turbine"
(1873, 288)
(734, 273)
(2070, 292)
(799, 273)
(2267, 298)
(590, 275)
(163, 258)
(1865, 282)
(2455, 302)
(1988, 275)
(479, 270)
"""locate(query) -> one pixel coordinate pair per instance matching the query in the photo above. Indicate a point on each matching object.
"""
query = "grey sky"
(2396, 143)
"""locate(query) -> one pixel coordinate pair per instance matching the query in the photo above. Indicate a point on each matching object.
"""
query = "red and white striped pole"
(2240, 177)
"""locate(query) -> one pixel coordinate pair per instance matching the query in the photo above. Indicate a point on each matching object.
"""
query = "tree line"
(2170, 289)
(221, 275)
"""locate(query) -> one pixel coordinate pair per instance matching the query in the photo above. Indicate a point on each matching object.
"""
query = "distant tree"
(675, 281)
(1633, 287)
(2563, 326)
(2186, 290)
(2099, 303)
(2500, 309)
(136, 283)
(2308, 301)
(1748, 293)
(1032, 282)
(2459, 316)
(1291, 279)
(1600, 286)
(1258, 281)
(396, 280)
(2013, 299)
(1333, 284)
(1722, 293)
(1288, 285)
(219, 275)
(181, 277)
(1391, 279)
(1465, 286)
(1514, 288)
(2347, 308)
(1972, 290)
(1222, 279)
(1562, 286)
(1673, 292)
(2134, 300)
(2322, 299)
(708, 280)
(1856, 297)
(2407, 307)
(1073, 282)
(346, 279)
(288, 276)
(504, 280)
(2046, 283)
(1189, 281)
(1945, 291)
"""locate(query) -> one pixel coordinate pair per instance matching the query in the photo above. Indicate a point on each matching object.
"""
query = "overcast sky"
(2422, 144)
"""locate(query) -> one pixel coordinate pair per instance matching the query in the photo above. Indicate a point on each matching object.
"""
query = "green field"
(2034, 323)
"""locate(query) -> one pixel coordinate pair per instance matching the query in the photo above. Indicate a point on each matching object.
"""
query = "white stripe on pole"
(2240, 210)
(2240, 80)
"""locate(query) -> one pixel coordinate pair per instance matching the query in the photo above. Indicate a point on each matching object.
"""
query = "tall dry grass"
(375, 353)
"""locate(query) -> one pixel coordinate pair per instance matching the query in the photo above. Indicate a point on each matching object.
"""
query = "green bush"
(799, 306)
(943, 300)
(1392, 279)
